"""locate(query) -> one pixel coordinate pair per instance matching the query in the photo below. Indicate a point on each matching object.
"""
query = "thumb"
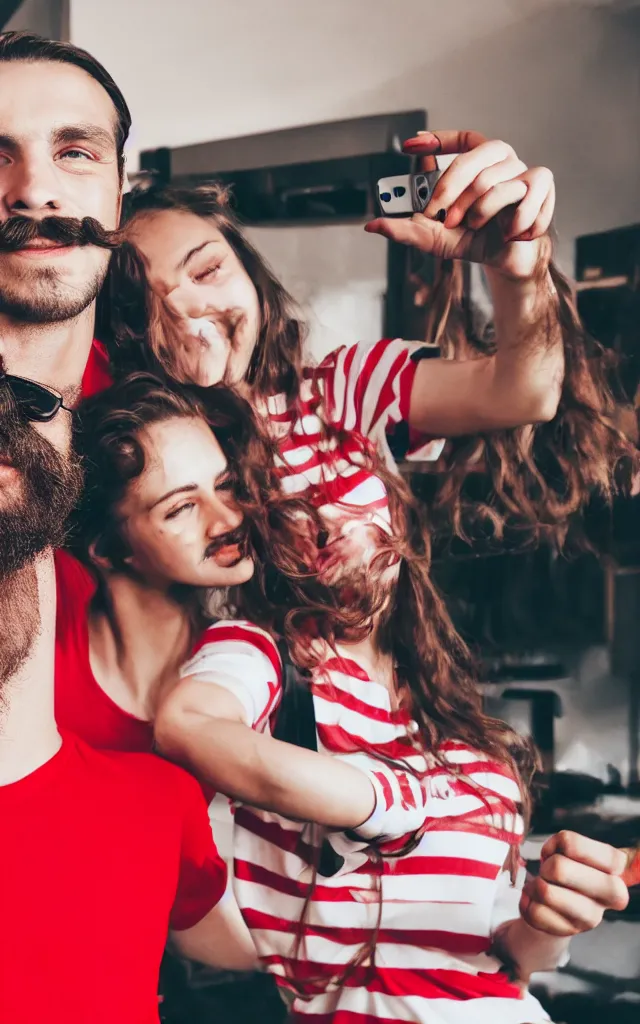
(422, 233)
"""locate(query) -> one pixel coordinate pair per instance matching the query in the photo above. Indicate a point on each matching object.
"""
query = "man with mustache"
(63, 126)
(102, 852)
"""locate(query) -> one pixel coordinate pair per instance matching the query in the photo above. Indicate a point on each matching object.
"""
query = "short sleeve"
(369, 384)
(244, 660)
(368, 390)
(202, 877)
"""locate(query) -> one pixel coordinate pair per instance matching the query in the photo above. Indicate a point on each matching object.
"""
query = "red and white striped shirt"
(441, 902)
(364, 391)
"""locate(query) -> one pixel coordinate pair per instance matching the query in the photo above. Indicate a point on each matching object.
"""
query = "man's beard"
(39, 296)
(45, 299)
(30, 522)
(19, 623)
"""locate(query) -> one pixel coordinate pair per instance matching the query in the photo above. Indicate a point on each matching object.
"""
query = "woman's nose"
(223, 518)
(189, 301)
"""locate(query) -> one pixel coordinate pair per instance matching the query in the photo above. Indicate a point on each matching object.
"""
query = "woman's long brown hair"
(435, 672)
(141, 331)
(544, 476)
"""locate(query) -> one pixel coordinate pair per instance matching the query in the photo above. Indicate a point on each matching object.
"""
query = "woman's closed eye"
(225, 483)
(181, 508)
(208, 274)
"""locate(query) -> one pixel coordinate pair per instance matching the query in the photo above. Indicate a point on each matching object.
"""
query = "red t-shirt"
(81, 705)
(97, 375)
(101, 854)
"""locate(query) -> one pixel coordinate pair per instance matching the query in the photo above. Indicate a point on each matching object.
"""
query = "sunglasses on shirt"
(37, 402)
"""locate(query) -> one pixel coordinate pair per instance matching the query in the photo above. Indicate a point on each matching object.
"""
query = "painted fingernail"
(438, 142)
(441, 216)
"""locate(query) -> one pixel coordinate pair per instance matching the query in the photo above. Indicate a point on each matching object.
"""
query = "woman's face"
(178, 517)
(192, 267)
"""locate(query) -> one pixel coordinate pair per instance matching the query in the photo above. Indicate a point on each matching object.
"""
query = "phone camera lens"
(423, 193)
(399, 191)
(385, 197)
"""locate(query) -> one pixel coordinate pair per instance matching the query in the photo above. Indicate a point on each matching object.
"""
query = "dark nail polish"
(441, 216)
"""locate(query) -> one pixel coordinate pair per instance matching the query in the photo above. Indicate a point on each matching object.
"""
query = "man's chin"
(57, 305)
(48, 291)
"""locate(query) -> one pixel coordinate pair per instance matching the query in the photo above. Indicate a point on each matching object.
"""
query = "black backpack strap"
(296, 724)
(295, 718)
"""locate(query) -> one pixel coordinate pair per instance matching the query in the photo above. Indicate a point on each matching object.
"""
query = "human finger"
(503, 171)
(462, 172)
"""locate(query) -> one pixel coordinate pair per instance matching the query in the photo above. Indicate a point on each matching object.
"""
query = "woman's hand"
(579, 879)
(487, 206)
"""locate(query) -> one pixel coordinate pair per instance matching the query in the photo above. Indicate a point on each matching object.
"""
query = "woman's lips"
(228, 556)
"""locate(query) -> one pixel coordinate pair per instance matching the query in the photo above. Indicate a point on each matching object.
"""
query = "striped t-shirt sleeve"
(244, 660)
(400, 807)
(368, 385)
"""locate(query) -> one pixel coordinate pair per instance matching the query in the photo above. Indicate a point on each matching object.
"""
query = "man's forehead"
(45, 96)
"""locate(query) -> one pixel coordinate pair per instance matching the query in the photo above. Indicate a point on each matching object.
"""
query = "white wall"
(563, 84)
(559, 79)
(215, 68)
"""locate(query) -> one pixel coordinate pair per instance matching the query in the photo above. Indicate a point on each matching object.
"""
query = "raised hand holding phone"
(487, 206)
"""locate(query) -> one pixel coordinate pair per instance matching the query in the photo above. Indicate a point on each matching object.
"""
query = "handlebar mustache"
(237, 536)
(16, 232)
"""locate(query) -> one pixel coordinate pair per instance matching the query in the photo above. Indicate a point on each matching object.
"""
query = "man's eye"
(75, 154)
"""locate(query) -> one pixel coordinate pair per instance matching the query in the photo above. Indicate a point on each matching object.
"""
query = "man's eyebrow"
(84, 133)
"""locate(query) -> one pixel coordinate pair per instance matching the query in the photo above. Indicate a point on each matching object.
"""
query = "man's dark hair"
(27, 46)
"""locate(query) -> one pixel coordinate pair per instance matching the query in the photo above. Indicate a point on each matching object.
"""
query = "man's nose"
(32, 187)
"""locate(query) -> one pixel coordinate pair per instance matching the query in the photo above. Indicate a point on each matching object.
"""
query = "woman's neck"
(138, 639)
